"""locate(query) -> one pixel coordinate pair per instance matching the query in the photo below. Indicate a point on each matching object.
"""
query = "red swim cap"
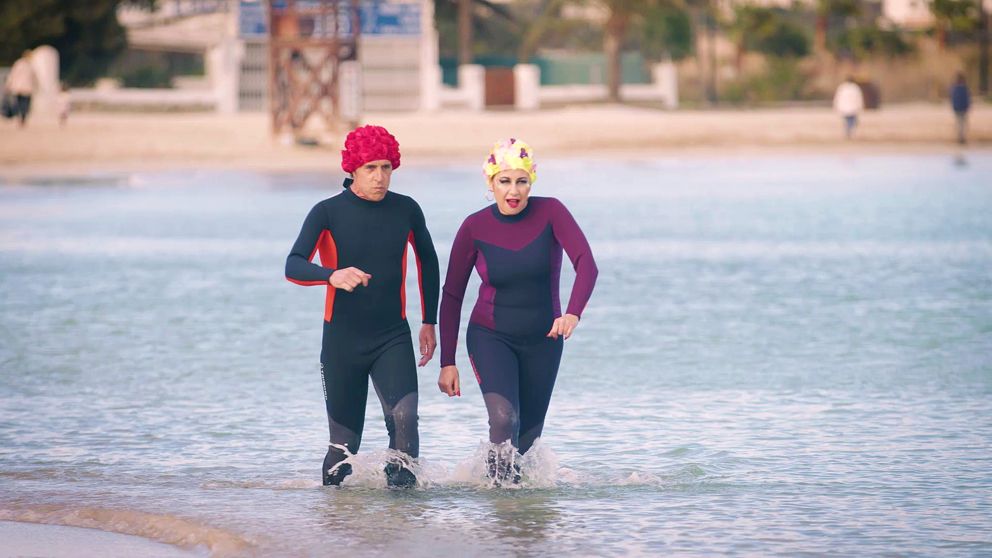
(369, 143)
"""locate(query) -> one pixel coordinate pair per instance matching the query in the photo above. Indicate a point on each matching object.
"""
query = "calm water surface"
(782, 357)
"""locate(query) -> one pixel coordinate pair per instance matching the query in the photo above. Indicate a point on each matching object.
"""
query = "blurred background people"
(961, 103)
(20, 84)
(849, 102)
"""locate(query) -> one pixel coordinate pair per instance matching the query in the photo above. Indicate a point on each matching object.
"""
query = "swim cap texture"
(510, 154)
(369, 143)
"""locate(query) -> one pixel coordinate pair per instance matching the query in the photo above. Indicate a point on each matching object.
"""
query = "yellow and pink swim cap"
(511, 154)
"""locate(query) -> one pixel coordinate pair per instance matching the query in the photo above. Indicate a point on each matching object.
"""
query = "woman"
(516, 329)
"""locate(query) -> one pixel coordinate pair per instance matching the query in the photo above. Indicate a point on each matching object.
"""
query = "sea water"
(783, 356)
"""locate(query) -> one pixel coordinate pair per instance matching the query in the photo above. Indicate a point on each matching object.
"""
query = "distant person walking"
(20, 84)
(849, 102)
(961, 103)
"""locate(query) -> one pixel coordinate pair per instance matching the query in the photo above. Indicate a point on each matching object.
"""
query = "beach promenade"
(94, 141)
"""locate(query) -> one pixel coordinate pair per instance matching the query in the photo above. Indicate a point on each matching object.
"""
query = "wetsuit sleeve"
(570, 236)
(459, 269)
(299, 266)
(428, 274)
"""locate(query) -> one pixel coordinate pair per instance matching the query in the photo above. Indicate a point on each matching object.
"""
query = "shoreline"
(94, 143)
(62, 541)
(12, 174)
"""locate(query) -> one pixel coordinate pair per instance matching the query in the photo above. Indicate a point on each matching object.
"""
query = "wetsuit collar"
(351, 196)
(511, 218)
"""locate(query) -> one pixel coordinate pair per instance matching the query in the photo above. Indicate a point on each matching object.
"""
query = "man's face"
(372, 180)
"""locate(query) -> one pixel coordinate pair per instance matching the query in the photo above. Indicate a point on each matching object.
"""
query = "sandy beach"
(57, 541)
(95, 141)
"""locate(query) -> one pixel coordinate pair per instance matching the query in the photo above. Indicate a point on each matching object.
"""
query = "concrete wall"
(390, 73)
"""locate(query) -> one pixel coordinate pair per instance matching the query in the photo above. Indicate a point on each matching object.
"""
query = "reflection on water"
(781, 357)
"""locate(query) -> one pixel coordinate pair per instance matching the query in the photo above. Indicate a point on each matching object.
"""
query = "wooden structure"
(309, 40)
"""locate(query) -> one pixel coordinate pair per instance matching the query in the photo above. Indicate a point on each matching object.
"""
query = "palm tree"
(827, 10)
(954, 15)
(620, 15)
(548, 14)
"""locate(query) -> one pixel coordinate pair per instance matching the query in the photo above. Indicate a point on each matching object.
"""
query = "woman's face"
(510, 189)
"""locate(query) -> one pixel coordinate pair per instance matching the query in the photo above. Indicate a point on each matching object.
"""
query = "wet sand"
(161, 141)
(56, 541)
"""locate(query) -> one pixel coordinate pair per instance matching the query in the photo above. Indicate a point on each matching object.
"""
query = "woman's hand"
(448, 381)
(564, 326)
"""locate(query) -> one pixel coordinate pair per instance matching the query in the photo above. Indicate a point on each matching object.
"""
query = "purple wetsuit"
(519, 260)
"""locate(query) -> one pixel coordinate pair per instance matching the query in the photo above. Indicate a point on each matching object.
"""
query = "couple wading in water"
(516, 331)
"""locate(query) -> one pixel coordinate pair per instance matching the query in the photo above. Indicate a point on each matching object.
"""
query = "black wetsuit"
(365, 331)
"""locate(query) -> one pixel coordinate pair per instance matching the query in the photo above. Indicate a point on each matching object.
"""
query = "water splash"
(368, 468)
(538, 468)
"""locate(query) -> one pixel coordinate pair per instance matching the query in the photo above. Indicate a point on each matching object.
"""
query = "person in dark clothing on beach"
(960, 104)
(20, 84)
(361, 235)
(517, 327)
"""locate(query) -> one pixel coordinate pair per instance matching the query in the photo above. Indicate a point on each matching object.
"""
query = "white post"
(430, 88)
(223, 65)
(430, 71)
(527, 86)
(45, 63)
(472, 84)
(666, 81)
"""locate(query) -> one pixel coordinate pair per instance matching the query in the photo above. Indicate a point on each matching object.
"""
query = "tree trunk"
(465, 32)
(616, 30)
(983, 51)
(739, 58)
(820, 36)
(711, 95)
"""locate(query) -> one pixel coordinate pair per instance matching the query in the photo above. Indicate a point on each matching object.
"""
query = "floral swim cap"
(510, 154)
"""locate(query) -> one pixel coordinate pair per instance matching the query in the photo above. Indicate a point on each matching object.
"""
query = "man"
(960, 103)
(849, 102)
(362, 235)
(20, 83)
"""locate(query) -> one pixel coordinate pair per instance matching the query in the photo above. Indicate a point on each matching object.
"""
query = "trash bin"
(871, 94)
(499, 87)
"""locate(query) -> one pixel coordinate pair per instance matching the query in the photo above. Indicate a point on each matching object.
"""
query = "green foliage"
(784, 39)
(768, 31)
(495, 31)
(960, 15)
(149, 76)
(666, 30)
(783, 80)
(866, 41)
(86, 34)
(838, 8)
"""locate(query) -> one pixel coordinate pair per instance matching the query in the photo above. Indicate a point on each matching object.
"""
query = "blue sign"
(253, 21)
(380, 18)
(385, 18)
